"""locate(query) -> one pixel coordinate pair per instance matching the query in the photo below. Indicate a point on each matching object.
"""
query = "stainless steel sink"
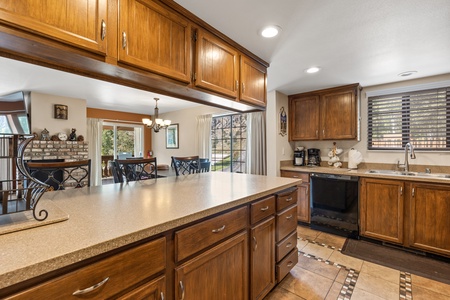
(403, 173)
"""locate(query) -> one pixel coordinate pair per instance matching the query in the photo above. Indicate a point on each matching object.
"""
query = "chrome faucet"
(412, 154)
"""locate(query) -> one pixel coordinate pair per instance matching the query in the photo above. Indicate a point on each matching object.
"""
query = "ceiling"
(369, 42)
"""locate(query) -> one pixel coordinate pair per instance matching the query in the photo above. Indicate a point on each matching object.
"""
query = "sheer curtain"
(94, 138)
(256, 143)
(203, 136)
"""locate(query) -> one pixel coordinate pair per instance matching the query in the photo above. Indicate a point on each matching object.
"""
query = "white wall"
(278, 146)
(187, 126)
(381, 156)
(42, 114)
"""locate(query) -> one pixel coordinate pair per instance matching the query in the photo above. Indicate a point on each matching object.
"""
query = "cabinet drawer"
(298, 175)
(286, 222)
(262, 209)
(286, 245)
(202, 235)
(287, 264)
(286, 199)
(123, 270)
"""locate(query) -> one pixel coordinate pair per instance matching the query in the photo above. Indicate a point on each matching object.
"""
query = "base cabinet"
(303, 199)
(220, 273)
(381, 209)
(411, 214)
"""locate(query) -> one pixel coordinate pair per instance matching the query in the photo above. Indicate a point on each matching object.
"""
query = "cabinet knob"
(103, 30)
(218, 229)
(182, 289)
(91, 288)
(124, 40)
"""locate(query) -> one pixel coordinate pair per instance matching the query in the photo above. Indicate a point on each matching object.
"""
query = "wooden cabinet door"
(78, 23)
(429, 228)
(304, 118)
(153, 290)
(155, 39)
(253, 82)
(220, 273)
(262, 259)
(303, 205)
(217, 65)
(338, 115)
(381, 209)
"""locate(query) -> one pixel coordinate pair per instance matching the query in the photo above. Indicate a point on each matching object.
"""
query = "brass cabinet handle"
(401, 191)
(256, 243)
(103, 30)
(182, 290)
(289, 199)
(317, 133)
(237, 85)
(162, 296)
(290, 264)
(218, 229)
(413, 192)
(288, 217)
(295, 176)
(243, 88)
(91, 288)
(288, 245)
(323, 132)
(124, 40)
(264, 208)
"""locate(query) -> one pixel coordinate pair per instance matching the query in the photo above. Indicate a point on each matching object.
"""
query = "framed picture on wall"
(60, 112)
(172, 137)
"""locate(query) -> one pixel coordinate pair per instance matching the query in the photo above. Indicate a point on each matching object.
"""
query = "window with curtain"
(420, 117)
(229, 143)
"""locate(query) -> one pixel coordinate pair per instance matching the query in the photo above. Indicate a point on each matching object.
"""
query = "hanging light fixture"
(159, 123)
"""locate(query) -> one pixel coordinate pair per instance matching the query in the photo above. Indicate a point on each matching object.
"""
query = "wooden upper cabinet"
(304, 118)
(324, 115)
(217, 65)
(338, 115)
(78, 23)
(253, 82)
(153, 38)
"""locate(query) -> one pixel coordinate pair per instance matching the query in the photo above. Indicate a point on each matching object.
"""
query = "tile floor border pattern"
(405, 286)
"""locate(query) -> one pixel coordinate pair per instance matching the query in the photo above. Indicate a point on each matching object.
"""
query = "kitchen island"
(107, 219)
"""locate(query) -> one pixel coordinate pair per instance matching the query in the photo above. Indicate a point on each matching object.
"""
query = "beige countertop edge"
(34, 270)
(363, 173)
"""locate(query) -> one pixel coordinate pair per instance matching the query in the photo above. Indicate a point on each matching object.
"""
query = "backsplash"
(67, 150)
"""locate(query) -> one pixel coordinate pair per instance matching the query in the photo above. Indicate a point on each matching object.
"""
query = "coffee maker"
(314, 157)
(299, 157)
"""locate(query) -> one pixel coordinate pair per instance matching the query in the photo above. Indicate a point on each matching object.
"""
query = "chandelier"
(159, 123)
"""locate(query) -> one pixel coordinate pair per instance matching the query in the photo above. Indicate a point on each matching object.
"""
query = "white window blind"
(420, 117)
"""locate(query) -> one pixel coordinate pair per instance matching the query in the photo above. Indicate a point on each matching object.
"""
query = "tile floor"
(323, 272)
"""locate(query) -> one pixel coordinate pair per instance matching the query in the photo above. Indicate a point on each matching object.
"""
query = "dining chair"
(205, 165)
(186, 165)
(116, 171)
(138, 169)
(61, 175)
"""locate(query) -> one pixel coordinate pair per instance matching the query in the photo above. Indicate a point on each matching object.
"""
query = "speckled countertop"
(362, 173)
(107, 217)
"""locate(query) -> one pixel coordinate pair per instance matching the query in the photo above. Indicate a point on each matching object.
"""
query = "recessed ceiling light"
(312, 70)
(407, 73)
(270, 31)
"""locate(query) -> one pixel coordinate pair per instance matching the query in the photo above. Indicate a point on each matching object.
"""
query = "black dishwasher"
(335, 204)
